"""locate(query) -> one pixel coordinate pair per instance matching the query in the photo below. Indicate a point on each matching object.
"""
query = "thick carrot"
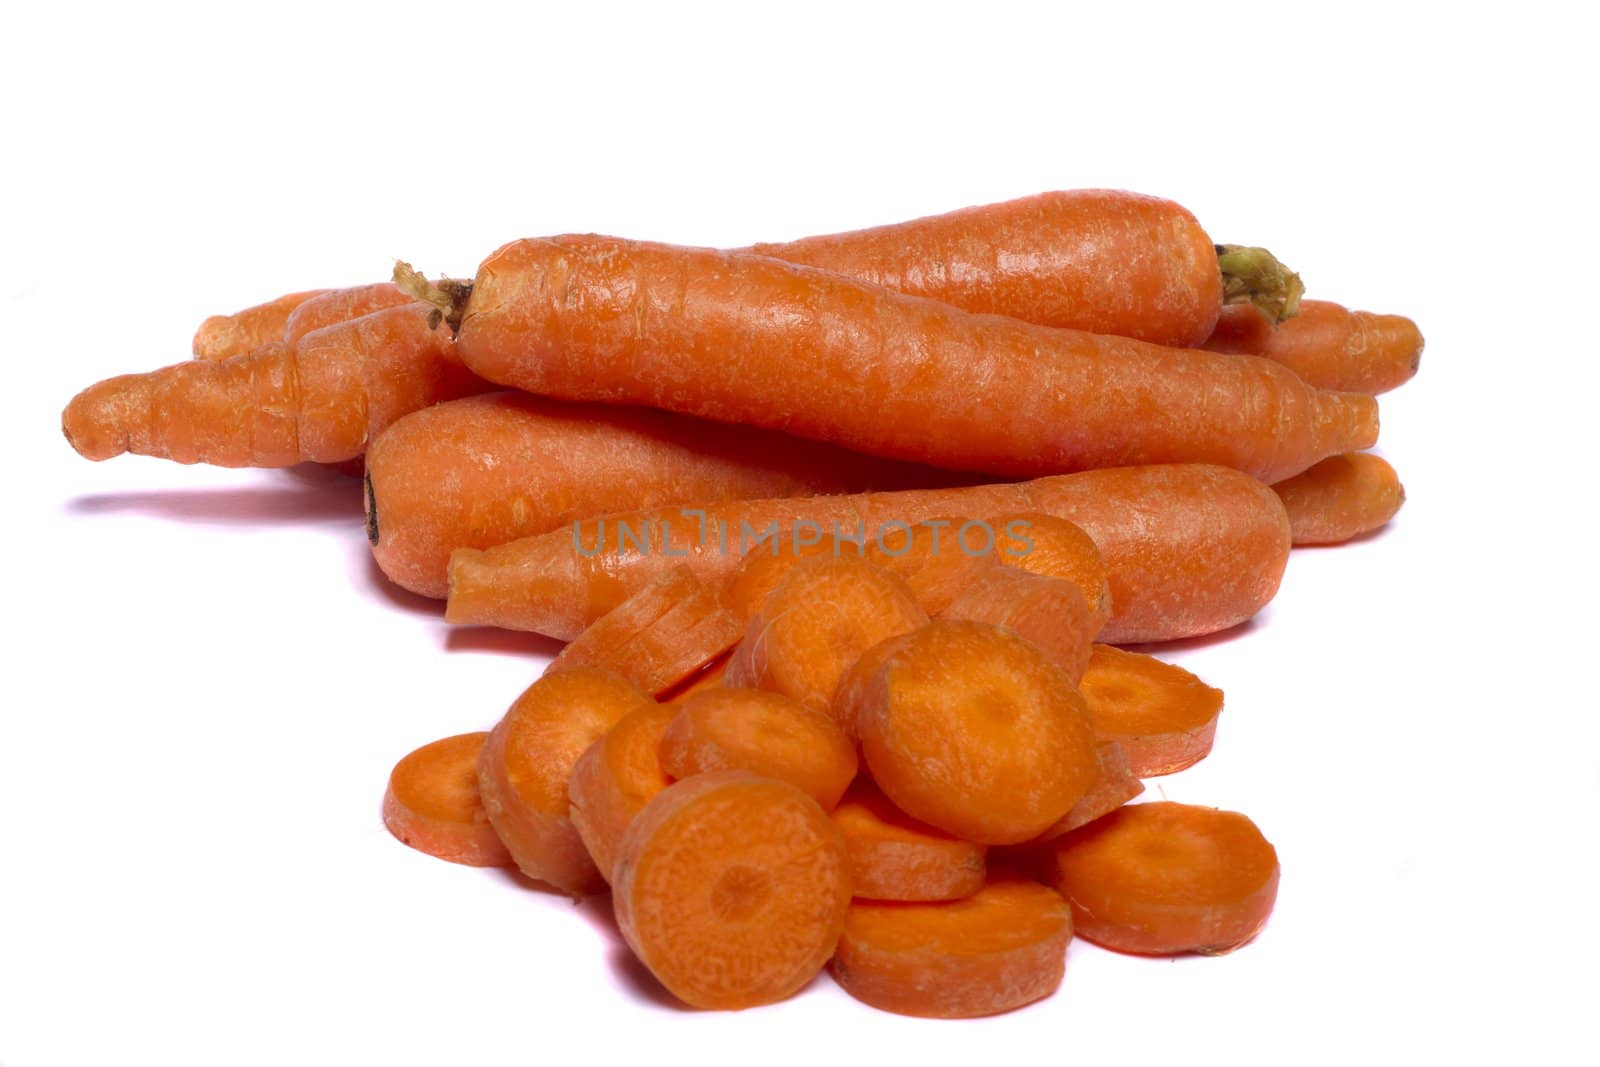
(1052, 546)
(1163, 717)
(753, 340)
(765, 733)
(732, 889)
(1189, 549)
(1340, 498)
(1049, 613)
(483, 470)
(527, 764)
(321, 399)
(615, 778)
(1164, 878)
(1001, 948)
(433, 805)
(1329, 346)
(896, 857)
(969, 728)
(225, 336)
(824, 614)
(341, 305)
(658, 637)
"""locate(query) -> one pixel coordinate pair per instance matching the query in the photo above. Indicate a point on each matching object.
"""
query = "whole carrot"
(222, 336)
(321, 399)
(340, 305)
(1340, 498)
(1189, 549)
(1329, 346)
(752, 340)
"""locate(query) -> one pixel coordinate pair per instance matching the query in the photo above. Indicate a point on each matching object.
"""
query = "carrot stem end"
(1255, 276)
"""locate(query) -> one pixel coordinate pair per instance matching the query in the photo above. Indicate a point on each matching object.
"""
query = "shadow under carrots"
(502, 642)
(336, 501)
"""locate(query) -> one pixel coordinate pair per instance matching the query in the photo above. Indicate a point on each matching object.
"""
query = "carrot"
(753, 340)
(766, 564)
(432, 804)
(1162, 878)
(896, 857)
(824, 614)
(970, 729)
(483, 470)
(1341, 498)
(1114, 785)
(1189, 549)
(225, 336)
(1048, 613)
(1001, 948)
(708, 677)
(765, 733)
(938, 558)
(661, 635)
(1328, 346)
(527, 763)
(1163, 717)
(614, 779)
(340, 305)
(1050, 545)
(321, 399)
(731, 889)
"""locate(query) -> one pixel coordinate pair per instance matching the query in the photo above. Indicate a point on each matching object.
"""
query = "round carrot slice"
(1049, 613)
(1001, 948)
(1055, 548)
(971, 729)
(614, 778)
(1164, 878)
(896, 857)
(732, 889)
(432, 804)
(1164, 718)
(527, 762)
(763, 569)
(764, 733)
(936, 557)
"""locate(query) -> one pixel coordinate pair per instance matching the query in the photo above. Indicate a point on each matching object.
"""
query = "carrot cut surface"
(1001, 948)
(1341, 498)
(432, 804)
(1115, 784)
(937, 558)
(896, 857)
(732, 889)
(614, 779)
(527, 764)
(1049, 545)
(1163, 717)
(1163, 878)
(1048, 613)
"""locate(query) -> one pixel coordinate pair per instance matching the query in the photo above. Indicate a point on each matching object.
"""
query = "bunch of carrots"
(844, 535)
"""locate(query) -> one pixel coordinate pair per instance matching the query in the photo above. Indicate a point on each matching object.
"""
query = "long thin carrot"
(340, 305)
(1329, 346)
(1189, 549)
(1340, 498)
(223, 336)
(752, 340)
(321, 399)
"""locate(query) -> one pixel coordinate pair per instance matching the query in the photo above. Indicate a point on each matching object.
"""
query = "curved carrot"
(971, 730)
(225, 336)
(483, 470)
(432, 804)
(753, 340)
(1049, 613)
(322, 399)
(896, 857)
(724, 911)
(1189, 549)
(1341, 498)
(1001, 948)
(527, 764)
(1163, 717)
(1164, 878)
(1328, 346)
(615, 778)
(764, 733)
(340, 305)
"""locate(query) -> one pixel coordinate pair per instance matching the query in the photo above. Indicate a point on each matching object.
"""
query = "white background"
(207, 682)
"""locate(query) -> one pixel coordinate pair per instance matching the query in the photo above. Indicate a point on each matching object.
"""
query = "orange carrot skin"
(1341, 498)
(320, 400)
(1328, 346)
(225, 336)
(340, 305)
(432, 804)
(1189, 549)
(765, 343)
(1090, 259)
(484, 470)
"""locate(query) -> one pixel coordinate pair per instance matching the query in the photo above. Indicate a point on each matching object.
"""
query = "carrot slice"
(1049, 613)
(1039, 543)
(1114, 786)
(432, 804)
(765, 733)
(614, 778)
(896, 857)
(1001, 948)
(732, 889)
(764, 567)
(708, 677)
(528, 761)
(1164, 878)
(971, 729)
(936, 557)
(661, 635)
(1164, 718)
